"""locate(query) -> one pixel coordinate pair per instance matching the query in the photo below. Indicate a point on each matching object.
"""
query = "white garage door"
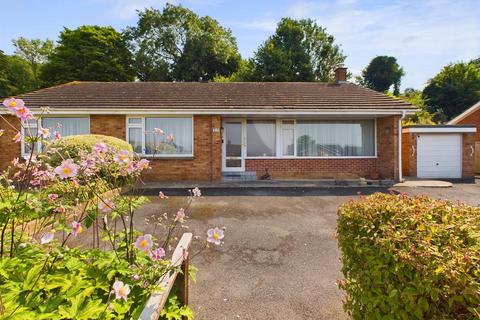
(439, 156)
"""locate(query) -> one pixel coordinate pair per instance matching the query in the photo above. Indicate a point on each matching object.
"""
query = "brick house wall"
(109, 125)
(472, 119)
(409, 154)
(10, 149)
(384, 166)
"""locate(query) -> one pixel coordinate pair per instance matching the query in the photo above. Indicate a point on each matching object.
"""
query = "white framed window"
(66, 126)
(261, 138)
(311, 138)
(175, 141)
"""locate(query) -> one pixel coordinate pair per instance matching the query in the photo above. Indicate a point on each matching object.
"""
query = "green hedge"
(70, 146)
(410, 258)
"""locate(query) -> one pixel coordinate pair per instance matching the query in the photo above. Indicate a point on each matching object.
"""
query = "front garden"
(73, 188)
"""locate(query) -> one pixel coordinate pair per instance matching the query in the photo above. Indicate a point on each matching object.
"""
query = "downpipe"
(400, 173)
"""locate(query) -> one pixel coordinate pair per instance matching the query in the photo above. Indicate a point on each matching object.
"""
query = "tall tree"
(16, 76)
(4, 84)
(89, 53)
(35, 52)
(381, 74)
(299, 50)
(177, 44)
(454, 89)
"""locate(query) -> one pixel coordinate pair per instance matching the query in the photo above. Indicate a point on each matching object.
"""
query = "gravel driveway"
(280, 259)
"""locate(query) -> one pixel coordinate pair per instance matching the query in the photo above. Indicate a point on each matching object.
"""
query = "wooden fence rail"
(157, 300)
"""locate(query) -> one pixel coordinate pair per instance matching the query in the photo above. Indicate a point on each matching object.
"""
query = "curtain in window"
(335, 138)
(67, 126)
(135, 139)
(179, 128)
(261, 138)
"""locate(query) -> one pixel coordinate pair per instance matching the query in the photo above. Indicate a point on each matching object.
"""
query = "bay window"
(161, 136)
(66, 126)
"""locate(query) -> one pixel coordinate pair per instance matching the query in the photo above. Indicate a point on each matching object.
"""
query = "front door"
(233, 145)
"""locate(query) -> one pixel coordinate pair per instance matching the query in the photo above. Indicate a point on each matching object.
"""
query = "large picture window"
(319, 138)
(66, 126)
(174, 139)
(261, 138)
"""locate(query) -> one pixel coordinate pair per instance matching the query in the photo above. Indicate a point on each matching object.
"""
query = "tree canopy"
(299, 50)
(89, 53)
(454, 89)
(35, 52)
(177, 44)
(381, 74)
(16, 76)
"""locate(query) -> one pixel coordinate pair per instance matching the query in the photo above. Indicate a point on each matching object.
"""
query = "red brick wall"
(109, 125)
(473, 119)
(10, 150)
(384, 166)
(468, 157)
(409, 154)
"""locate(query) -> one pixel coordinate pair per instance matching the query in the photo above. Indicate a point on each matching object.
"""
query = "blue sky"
(424, 35)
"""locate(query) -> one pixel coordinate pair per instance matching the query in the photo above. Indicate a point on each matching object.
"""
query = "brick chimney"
(341, 74)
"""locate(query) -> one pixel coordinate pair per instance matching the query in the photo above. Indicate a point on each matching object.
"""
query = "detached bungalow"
(288, 130)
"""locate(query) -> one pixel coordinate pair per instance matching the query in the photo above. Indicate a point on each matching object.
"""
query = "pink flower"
(121, 290)
(157, 254)
(135, 277)
(158, 131)
(144, 243)
(106, 205)
(180, 217)
(161, 195)
(52, 196)
(17, 137)
(67, 169)
(99, 147)
(215, 236)
(169, 138)
(143, 164)
(23, 113)
(47, 238)
(76, 228)
(130, 167)
(57, 135)
(44, 132)
(15, 161)
(123, 156)
(196, 192)
(13, 103)
(60, 209)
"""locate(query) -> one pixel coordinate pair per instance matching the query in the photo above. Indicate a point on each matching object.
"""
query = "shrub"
(410, 258)
(72, 146)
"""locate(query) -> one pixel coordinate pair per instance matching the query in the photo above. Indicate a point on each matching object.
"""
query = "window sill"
(310, 157)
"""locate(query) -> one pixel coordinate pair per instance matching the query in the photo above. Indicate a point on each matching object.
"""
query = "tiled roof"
(211, 95)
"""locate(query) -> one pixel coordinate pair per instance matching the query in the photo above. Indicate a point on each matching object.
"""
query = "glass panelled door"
(233, 146)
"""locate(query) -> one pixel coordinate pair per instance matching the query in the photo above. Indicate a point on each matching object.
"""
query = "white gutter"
(233, 111)
(400, 173)
(439, 129)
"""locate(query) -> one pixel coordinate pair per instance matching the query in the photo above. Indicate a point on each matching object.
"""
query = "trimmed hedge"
(71, 146)
(410, 258)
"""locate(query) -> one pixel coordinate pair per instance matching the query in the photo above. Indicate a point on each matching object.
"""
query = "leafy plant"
(410, 258)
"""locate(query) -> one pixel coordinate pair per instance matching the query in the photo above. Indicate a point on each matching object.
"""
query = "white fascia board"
(153, 111)
(465, 113)
(440, 130)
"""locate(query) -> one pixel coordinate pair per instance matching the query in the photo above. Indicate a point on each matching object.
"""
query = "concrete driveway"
(280, 259)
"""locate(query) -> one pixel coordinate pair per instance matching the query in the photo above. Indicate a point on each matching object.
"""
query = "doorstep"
(264, 187)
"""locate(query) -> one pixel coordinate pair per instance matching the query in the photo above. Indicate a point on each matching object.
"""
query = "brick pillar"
(10, 149)
(216, 148)
(468, 155)
(109, 125)
(387, 147)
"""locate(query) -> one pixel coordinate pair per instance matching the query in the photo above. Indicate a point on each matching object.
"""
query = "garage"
(438, 151)
(439, 155)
